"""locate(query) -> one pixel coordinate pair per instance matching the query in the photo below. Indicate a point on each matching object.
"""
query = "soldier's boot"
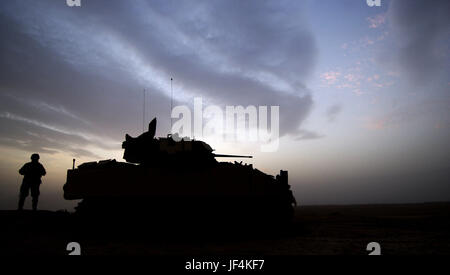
(21, 203)
(35, 203)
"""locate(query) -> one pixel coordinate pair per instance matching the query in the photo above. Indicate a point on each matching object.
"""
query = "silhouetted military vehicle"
(167, 178)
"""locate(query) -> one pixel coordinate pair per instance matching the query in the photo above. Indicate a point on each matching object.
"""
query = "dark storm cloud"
(32, 136)
(333, 111)
(422, 29)
(307, 135)
(82, 70)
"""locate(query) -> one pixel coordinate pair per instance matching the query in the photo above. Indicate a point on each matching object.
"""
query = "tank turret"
(146, 149)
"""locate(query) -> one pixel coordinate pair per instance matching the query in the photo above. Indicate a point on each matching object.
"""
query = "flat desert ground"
(401, 229)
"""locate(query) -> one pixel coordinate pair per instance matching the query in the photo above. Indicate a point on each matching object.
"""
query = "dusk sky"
(364, 92)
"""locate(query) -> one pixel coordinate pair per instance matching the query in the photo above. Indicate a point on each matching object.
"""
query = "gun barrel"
(232, 156)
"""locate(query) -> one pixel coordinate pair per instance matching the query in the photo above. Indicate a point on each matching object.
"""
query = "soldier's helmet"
(35, 157)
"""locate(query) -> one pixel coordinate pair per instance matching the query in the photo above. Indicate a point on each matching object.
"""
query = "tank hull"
(221, 180)
(223, 192)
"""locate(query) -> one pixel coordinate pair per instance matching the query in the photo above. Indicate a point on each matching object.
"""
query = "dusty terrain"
(399, 229)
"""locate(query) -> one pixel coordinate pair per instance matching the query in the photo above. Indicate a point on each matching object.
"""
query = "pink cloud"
(377, 125)
(330, 77)
(376, 21)
(357, 92)
(351, 77)
(366, 41)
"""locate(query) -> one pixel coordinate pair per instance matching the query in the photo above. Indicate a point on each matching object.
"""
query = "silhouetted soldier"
(32, 173)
